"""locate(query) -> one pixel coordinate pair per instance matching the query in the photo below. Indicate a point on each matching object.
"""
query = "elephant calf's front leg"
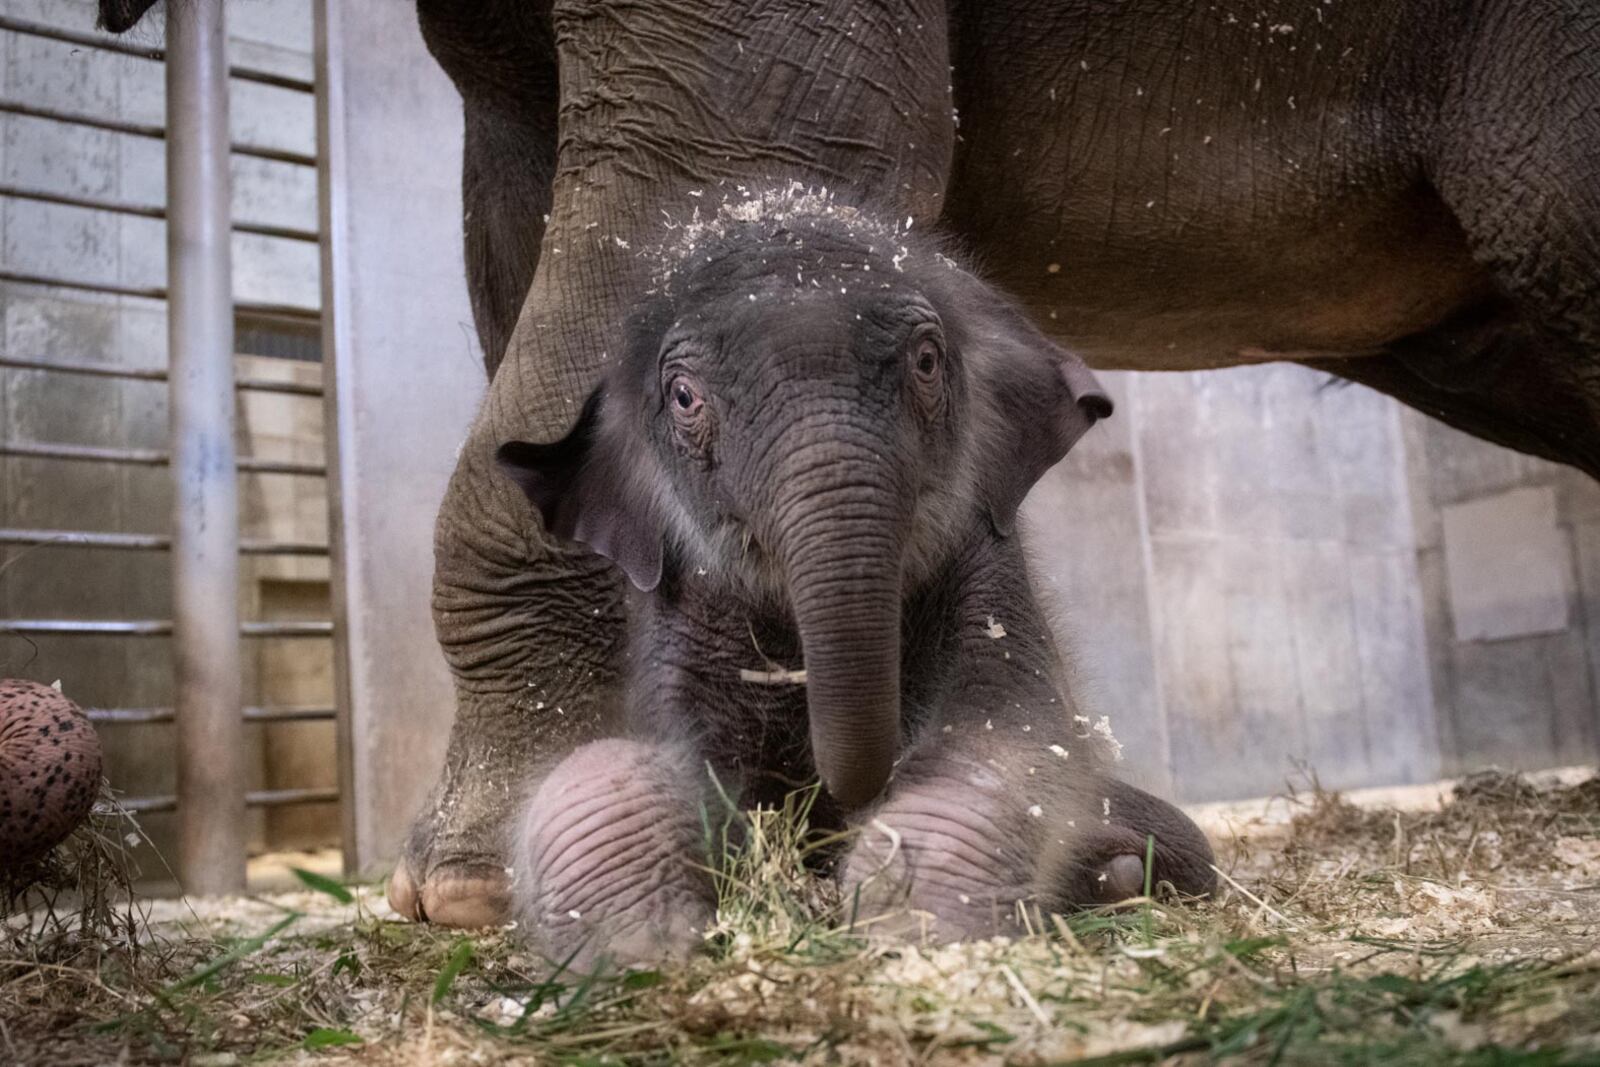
(977, 828)
(611, 859)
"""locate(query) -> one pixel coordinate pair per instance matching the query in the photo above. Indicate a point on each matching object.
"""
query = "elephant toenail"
(403, 896)
(1122, 878)
(465, 901)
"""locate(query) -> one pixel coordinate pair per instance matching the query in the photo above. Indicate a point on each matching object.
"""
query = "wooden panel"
(406, 382)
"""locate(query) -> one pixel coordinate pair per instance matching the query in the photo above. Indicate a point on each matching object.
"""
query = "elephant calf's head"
(811, 410)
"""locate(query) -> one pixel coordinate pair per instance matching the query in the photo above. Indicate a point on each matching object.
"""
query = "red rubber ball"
(49, 769)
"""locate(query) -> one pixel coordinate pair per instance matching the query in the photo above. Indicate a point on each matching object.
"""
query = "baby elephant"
(810, 456)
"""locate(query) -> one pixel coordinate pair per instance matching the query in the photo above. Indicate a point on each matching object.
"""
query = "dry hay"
(1464, 935)
(78, 894)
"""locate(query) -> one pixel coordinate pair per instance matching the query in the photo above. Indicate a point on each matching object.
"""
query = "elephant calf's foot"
(610, 865)
(1128, 822)
(958, 851)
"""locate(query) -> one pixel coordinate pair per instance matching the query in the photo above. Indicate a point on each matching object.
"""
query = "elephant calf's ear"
(1044, 400)
(582, 492)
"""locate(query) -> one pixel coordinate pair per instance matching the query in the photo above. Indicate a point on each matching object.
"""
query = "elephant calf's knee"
(608, 857)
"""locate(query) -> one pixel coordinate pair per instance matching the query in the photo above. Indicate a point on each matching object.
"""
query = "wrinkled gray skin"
(811, 451)
(1404, 192)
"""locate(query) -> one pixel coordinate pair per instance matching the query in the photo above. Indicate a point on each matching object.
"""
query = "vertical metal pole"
(205, 523)
(333, 211)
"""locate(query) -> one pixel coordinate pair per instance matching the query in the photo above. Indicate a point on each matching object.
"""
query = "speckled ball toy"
(49, 769)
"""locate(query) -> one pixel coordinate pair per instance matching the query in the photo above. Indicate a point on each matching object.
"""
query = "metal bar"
(278, 798)
(137, 457)
(258, 311)
(152, 542)
(141, 129)
(121, 207)
(109, 288)
(156, 628)
(145, 374)
(149, 457)
(260, 798)
(207, 654)
(390, 296)
(121, 628)
(83, 539)
(250, 465)
(93, 370)
(295, 628)
(143, 716)
(111, 44)
(118, 207)
(149, 805)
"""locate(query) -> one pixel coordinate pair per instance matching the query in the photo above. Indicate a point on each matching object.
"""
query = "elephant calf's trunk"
(847, 606)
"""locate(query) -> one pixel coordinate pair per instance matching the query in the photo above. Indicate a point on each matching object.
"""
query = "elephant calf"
(810, 456)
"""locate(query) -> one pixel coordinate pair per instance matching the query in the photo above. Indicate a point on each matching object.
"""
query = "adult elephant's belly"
(1221, 287)
(1209, 187)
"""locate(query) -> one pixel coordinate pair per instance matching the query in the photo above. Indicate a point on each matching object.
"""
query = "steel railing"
(122, 207)
(261, 798)
(145, 129)
(141, 716)
(157, 292)
(198, 222)
(111, 44)
(150, 457)
(158, 627)
(148, 542)
(155, 374)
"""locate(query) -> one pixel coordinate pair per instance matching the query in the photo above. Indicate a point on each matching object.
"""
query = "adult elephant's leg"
(501, 56)
(531, 631)
(661, 110)
(1516, 158)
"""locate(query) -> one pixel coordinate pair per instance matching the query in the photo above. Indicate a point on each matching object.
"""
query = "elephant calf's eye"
(927, 376)
(685, 397)
(689, 416)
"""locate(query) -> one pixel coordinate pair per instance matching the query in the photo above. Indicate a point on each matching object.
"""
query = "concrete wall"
(1508, 549)
(46, 322)
(1238, 582)
(1260, 573)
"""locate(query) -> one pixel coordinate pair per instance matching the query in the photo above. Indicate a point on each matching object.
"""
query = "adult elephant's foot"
(455, 867)
(611, 865)
(453, 870)
(530, 632)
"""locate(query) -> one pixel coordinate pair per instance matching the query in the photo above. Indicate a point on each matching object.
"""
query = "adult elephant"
(1404, 192)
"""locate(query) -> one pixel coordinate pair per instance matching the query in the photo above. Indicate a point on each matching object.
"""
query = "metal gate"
(204, 545)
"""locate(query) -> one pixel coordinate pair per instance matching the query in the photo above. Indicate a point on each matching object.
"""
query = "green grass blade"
(460, 956)
(249, 946)
(323, 884)
(323, 1037)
